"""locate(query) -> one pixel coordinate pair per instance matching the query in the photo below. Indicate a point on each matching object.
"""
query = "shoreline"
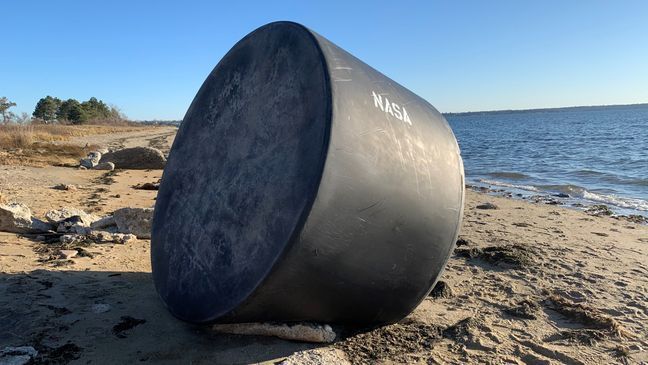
(535, 195)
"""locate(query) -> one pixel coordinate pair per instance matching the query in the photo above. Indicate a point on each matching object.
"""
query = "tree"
(5, 104)
(66, 107)
(77, 115)
(47, 108)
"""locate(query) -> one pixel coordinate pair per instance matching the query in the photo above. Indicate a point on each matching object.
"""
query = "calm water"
(595, 155)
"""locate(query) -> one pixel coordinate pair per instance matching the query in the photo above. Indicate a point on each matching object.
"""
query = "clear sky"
(150, 57)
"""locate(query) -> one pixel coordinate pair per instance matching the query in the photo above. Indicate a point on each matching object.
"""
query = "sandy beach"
(529, 283)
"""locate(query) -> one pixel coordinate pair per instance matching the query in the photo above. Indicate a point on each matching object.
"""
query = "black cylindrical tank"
(303, 185)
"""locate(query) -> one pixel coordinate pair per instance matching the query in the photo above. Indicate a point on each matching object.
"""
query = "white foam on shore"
(628, 203)
(582, 193)
(507, 185)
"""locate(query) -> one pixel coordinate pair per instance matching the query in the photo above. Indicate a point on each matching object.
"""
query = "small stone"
(109, 166)
(599, 210)
(486, 206)
(68, 254)
(67, 187)
(441, 290)
(82, 168)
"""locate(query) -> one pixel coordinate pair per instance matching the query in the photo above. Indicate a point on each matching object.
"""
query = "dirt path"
(157, 137)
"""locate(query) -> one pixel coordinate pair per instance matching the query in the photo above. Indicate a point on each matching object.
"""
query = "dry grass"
(32, 145)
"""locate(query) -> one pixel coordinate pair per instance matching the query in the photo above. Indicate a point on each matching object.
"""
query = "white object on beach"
(303, 332)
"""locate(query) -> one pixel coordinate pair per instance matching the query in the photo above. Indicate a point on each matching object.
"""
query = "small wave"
(509, 175)
(572, 190)
(628, 203)
(610, 178)
(507, 185)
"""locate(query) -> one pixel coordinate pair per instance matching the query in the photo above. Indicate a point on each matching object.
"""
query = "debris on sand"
(441, 290)
(525, 309)
(66, 187)
(68, 254)
(462, 242)
(486, 206)
(392, 343)
(588, 316)
(147, 186)
(91, 160)
(136, 158)
(513, 255)
(634, 218)
(56, 216)
(127, 322)
(134, 220)
(302, 332)
(109, 166)
(599, 210)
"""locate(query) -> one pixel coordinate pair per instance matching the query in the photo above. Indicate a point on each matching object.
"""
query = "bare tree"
(5, 104)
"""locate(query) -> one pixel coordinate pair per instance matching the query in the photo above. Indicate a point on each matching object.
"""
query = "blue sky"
(150, 57)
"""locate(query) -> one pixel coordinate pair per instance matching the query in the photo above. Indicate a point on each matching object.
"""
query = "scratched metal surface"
(381, 227)
(387, 211)
(243, 168)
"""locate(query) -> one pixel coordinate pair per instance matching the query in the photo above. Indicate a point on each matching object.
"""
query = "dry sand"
(535, 284)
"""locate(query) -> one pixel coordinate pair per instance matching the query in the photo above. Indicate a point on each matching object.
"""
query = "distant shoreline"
(550, 110)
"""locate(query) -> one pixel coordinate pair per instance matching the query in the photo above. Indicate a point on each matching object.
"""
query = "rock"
(82, 168)
(462, 242)
(124, 238)
(109, 166)
(303, 332)
(486, 206)
(137, 158)
(104, 222)
(134, 220)
(599, 210)
(91, 160)
(561, 195)
(16, 218)
(64, 187)
(441, 290)
(68, 239)
(17, 355)
(147, 186)
(68, 254)
(58, 215)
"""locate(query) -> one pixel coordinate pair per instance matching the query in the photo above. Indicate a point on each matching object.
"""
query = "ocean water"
(596, 155)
